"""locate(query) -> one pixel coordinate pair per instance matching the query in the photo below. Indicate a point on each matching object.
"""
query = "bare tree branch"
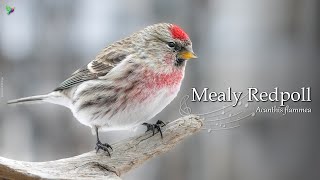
(126, 155)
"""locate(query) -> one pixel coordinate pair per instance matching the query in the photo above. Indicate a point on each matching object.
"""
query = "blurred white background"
(240, 44)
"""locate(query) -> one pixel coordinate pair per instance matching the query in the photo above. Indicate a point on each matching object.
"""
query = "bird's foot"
(105, 147)
(153, 127)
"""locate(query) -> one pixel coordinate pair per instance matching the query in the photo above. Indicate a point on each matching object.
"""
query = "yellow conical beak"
(185, 54)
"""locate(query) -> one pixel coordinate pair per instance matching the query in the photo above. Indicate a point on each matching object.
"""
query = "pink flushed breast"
(154, 82)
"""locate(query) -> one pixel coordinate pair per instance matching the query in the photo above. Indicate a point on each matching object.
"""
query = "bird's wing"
(100, 66)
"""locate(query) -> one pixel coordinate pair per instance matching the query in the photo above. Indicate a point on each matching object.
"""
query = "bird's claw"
(105, 147)
(153, 127)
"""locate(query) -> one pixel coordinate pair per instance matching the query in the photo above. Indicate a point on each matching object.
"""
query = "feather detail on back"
(100, 66)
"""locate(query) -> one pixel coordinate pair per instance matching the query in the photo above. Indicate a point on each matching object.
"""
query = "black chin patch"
(179, 62)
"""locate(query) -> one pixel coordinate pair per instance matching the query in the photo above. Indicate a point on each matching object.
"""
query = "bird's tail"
(31, 99)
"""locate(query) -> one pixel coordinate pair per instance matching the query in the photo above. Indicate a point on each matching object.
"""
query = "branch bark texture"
(126, 155)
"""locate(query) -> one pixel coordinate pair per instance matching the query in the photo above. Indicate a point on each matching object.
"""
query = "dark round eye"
(171, 44)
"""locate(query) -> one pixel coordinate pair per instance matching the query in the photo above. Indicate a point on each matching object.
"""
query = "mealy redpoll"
(128, 82)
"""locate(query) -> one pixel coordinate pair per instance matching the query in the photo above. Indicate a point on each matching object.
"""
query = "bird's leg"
(157, 126)
(99, 145)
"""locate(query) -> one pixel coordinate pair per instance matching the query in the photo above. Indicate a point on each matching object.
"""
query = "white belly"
(140, 113)
(133, 115)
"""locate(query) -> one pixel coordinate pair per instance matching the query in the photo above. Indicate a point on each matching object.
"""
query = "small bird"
(9, 9)
(127, 83)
